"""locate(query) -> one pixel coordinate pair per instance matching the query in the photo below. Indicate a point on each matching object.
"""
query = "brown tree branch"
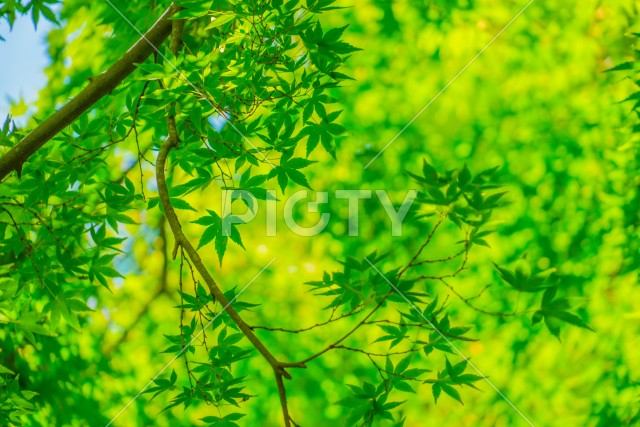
(182, 241)
(317, 325)
(97, 88)
(338, 343)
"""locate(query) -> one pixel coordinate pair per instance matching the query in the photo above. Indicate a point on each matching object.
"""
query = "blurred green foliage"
(546, 306)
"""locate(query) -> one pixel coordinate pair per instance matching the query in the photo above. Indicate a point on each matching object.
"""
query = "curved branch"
(350, 332)
(468, 302)
(308, 328)
(182, 241)
(337, 344)
(97, 88)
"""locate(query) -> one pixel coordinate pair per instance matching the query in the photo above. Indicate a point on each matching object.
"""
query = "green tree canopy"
(472, 166)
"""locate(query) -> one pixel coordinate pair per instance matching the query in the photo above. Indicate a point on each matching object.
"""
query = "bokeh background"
(538, 102)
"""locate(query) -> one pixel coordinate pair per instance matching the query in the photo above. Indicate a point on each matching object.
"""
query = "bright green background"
(538, 103)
